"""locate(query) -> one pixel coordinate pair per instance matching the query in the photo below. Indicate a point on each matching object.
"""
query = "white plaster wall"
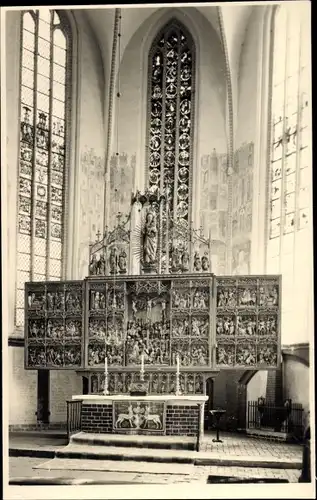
(296, 381)
(21, 389)
(91, 138)
(257, 386)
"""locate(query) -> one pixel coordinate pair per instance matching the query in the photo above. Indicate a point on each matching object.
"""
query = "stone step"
(84, 451)
(90, 452)
(135, 441)
(126, 466)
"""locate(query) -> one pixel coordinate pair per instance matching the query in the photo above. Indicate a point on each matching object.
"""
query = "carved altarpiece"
(152, 296)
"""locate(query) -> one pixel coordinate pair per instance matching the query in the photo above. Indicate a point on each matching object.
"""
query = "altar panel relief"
(248, 322)
(54, 325)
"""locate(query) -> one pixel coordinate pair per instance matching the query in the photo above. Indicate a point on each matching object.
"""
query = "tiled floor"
(239, 444)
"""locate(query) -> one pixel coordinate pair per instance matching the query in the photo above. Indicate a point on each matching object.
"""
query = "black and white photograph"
(157, 251)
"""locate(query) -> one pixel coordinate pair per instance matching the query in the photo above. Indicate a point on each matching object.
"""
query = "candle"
(177, 362)
(106, 377)
(142, 363)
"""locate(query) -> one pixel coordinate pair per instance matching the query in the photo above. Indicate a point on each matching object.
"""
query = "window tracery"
(171, 82)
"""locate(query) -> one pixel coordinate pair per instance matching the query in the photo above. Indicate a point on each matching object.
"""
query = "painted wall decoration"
(248, 322)
(241, 258)
(122, 174)
(139, 416)
(242, 200)
(91, 204)
(213, 211)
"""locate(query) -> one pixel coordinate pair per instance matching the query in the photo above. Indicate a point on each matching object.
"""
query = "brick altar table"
(161, 415)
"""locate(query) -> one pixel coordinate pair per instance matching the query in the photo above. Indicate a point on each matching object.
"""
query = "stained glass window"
(42, 166)
(171, 72)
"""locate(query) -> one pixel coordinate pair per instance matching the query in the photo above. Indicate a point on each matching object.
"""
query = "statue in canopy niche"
(149, 239)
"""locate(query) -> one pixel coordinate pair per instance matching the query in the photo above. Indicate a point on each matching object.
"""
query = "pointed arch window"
(290, 220)
(170, 118)
(42, 175)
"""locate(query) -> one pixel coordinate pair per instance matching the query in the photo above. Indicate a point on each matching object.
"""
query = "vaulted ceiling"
(235, 20)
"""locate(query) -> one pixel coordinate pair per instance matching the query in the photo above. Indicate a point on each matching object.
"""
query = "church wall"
(13, 20)
(296, 381)
(91, 148)
(246, 142)
(226, 395)
(22, 389)
(63, 385)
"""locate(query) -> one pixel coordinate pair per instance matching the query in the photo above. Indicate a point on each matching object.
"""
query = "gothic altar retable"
(151, 297)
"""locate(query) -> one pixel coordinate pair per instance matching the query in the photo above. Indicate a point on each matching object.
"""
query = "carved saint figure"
(101, 266)
(149, 239)
(197, 262)
(175, 258)
(205, 262)
(185, 260)
(122, 262)
(163, 306)
(113, 260)
(93, 265)
(148, 309)
(134, 308)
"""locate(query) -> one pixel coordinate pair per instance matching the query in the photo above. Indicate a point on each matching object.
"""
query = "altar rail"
(73, 417)
(276, 418)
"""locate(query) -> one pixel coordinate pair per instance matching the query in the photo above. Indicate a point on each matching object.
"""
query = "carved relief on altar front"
(158, 382)
(267, 354)
(199, 353)
(115, 299)
(246, 325)
(226, 297)
(226, 354)
(97, 301)
(181, 299)
(97, 329)
(253, 322)
(268, 326)
(96, 353)
(55, 302)
(139, 415)
(246, 353)
(36, 301)
(247, 296)
(226, 325)
(199, 327)
(200, 299)
(54, 325)
(73, 300)
(268, 295)
(148, 339)
(180, 327)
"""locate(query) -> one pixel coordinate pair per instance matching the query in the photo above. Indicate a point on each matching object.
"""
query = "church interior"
(158, 219)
